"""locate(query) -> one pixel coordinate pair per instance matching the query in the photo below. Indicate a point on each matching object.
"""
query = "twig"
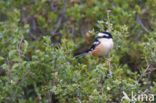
(58, 24)
(142, 25)
(100, 84)
(109, 64)
(28, 20)
(79, 101)
(120, 89)
(108, 14)
(9, 69)
(73, 31)
(20, 80)
(19, 47)
(51, 95)
(61, 16)
(144, 73)
(54, 70)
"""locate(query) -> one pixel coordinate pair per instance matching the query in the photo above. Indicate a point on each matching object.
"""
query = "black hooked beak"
(96, 37)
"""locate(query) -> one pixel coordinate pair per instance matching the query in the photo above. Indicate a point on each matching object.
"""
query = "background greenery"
(38, 37)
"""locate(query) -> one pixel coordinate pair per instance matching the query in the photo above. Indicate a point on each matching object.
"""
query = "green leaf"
(1, 58)
(15, 66)
(12, 53)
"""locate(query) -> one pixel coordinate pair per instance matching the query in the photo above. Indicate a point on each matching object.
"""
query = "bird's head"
(104, 35)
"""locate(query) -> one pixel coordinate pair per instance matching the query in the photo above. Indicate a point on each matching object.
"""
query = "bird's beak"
(97, 37)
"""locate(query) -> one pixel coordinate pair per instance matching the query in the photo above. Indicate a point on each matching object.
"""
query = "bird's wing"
(96, 43)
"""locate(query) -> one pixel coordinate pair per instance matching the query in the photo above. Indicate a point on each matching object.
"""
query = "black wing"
(94, 45)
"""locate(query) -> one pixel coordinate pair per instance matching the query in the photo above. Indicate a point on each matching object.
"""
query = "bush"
(37, 40)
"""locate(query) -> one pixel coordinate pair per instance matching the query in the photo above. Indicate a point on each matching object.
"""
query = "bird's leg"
(109, 65)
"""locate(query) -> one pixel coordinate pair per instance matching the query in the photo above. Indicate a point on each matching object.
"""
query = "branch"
(20, 80)
(109, 65)
(78, 100)
(142, 25)
(148, 67)
(19, 47)
(61, 16)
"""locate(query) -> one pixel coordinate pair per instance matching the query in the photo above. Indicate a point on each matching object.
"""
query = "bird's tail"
(82, 54)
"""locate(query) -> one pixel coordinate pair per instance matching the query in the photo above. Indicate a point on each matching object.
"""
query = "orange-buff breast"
(99, 50)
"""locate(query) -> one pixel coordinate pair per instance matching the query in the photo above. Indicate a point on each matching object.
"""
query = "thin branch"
(20, 80)
(58, 24)
(142, 25)
(147, 68)
(100, 84)
(78, 100)
(62, 12)
(61, 16)
(19, 47)
(54, 70)
(120, 89)
(9, 69)
(51, 95)
(109, 65)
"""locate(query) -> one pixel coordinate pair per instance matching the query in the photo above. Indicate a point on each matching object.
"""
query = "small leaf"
(1, 58)
(15, 66)
(12, 52)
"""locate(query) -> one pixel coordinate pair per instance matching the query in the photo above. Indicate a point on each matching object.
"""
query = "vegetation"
(38, 39)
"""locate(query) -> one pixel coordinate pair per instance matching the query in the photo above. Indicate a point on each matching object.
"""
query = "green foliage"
(38, 65)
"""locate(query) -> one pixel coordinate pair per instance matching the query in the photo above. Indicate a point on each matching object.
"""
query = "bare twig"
(9, 69)
(19, 47)
(54, 70)
(25, 19)
(73, 31)
(100, 84)
(142, 25)
(51, 95)
(109, 65)
(120, 89)
(61, 16)
(148, 67)
(20, 80)
(58, 24)
(78, 100)
(108, 14)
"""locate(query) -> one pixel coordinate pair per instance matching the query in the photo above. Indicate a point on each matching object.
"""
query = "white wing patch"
(96, 43)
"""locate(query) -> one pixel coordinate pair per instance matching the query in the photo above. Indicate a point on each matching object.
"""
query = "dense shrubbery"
(37, 40)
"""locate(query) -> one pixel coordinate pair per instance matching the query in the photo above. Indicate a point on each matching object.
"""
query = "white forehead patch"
(102, 34)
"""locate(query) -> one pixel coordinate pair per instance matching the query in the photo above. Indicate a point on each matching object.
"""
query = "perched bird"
(101, 47)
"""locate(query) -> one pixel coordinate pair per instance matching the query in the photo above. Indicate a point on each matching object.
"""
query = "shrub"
(37, 40)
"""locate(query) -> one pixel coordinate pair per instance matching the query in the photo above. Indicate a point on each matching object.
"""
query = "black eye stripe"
(103, 37)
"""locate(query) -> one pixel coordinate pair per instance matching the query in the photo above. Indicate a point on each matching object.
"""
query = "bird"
(101, 47)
